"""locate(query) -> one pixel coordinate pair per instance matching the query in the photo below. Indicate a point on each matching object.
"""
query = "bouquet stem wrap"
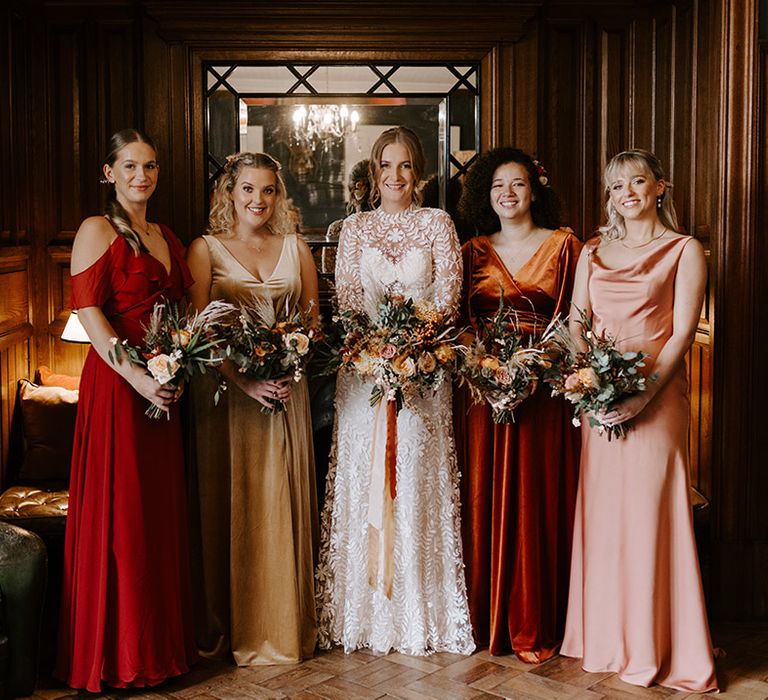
(381, 496)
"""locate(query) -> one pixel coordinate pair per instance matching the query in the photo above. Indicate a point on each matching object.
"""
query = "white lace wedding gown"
(414, 253)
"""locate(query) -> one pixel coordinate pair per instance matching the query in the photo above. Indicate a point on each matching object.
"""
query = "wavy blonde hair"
(646, 161)
(404, 136)
(222, 217)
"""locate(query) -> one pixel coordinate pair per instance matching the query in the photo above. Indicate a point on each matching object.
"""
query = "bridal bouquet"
(501, 364)
(264, 346)
(177, 343)
(408, 348)
(596, 379)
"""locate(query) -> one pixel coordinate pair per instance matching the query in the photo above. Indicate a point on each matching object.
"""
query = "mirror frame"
(465, 74)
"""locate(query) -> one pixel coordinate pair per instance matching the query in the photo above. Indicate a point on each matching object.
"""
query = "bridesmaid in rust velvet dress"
(126, 613)
(519, 479)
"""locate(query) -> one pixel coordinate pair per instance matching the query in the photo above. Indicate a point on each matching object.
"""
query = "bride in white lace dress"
(422, 606)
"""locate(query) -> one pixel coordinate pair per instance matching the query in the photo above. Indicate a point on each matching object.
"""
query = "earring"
(658, 202)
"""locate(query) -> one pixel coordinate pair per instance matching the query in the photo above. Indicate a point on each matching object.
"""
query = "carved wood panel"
(15, 332)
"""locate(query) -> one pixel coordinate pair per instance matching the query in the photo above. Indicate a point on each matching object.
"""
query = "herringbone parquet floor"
(742, 674)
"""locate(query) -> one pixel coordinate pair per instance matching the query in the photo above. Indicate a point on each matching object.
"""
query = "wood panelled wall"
(572, 82)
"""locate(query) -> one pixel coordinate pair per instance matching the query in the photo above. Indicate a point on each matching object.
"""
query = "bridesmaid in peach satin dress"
(519, 480)
(636, 605)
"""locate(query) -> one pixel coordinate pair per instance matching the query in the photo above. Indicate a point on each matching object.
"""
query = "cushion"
(48, 427)
(49, 378)
(41, 512)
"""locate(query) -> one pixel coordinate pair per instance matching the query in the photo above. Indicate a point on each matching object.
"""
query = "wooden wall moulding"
(59, 288)
(14, 364)
(14, 301)
(339, 24)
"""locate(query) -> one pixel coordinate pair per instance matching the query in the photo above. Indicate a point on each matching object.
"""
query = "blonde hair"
(222, 216)
(404, 136)
(614, 228)
(114, 211)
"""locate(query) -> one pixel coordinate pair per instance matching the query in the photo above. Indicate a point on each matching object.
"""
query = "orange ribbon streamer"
(391, 453)
(383, 540)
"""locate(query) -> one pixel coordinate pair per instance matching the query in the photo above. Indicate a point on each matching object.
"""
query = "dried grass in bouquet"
(406, 348)
(266, 345)
(178, 342)
(502, 363)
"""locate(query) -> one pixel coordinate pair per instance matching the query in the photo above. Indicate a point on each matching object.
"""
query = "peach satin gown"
(636, 605)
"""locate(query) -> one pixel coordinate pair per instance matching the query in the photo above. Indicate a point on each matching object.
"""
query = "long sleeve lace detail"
(349, 291)
(447, 264)
(416, 254)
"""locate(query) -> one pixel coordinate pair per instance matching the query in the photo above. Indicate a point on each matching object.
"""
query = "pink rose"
(572, 382)
(388, 351)
(503, 376)
(163, 368)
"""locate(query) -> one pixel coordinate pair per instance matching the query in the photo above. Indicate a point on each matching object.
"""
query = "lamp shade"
(74, 331)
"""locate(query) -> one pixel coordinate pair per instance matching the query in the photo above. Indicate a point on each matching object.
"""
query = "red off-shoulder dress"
(126, 615)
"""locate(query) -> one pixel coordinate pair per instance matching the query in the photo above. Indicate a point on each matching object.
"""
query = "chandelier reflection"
(322, 126)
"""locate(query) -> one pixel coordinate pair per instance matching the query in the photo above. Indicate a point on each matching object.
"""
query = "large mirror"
(320, 120)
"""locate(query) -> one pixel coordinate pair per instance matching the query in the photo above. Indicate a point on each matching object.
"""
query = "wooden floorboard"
(333, 675)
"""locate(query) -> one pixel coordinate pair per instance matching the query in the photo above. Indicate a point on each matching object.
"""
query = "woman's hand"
(161, 395)
(626, 410)
(268, 391)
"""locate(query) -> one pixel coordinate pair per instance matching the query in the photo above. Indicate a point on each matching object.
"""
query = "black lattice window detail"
(448, 95)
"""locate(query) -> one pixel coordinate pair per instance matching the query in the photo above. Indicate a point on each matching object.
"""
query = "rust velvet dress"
(519, 479)
(126, 614)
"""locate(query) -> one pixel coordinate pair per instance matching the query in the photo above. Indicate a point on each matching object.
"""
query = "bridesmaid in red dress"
(126, 616)
(519, 479)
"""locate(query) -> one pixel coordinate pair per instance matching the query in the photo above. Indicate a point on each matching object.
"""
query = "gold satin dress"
(254, 477)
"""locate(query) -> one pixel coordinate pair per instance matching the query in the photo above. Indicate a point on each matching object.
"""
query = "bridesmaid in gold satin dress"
(636, 606)
(519, 479)
(254, 471)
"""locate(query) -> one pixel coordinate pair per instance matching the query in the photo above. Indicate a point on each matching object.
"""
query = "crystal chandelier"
(321, 126)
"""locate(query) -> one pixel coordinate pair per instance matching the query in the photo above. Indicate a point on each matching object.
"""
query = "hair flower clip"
(542, 172)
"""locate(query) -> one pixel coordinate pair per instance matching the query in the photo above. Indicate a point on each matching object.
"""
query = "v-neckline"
(168, 269)
(256, 279)
(501, 262)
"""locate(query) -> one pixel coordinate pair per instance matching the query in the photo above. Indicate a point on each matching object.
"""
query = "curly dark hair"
(475, 203)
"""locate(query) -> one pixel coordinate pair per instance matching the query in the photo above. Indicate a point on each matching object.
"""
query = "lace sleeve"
(349, 289)
(447, 266)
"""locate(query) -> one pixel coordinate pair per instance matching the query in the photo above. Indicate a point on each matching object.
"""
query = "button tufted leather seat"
(43, 512)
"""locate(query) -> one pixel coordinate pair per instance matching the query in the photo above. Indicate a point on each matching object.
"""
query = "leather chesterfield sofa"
(35, 495)
(23, 564)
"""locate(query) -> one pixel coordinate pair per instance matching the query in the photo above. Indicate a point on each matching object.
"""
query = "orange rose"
(427, 362)
(404, 366)
(445, 354)
(588, 378)
(181, 338)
